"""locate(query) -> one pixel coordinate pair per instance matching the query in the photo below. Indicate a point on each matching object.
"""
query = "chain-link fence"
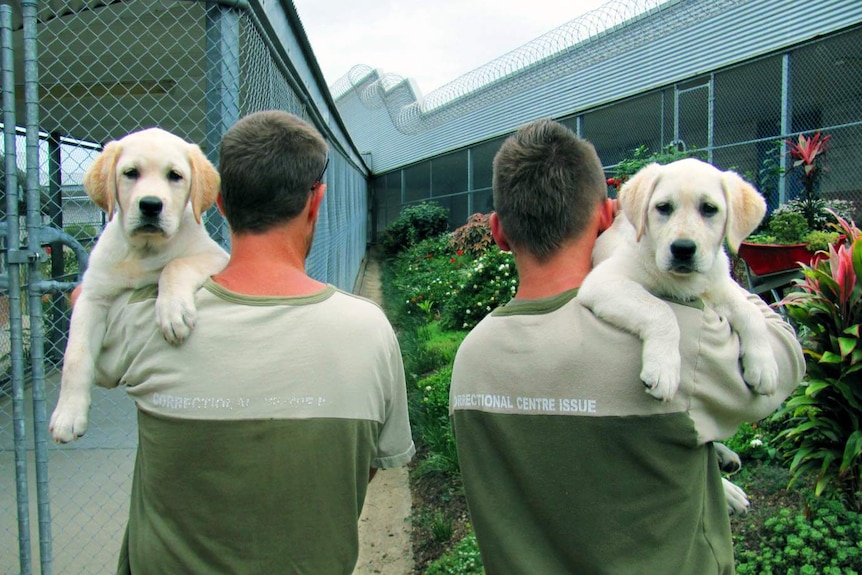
(75, 75)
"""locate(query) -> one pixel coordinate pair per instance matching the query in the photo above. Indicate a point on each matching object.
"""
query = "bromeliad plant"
(823, 435)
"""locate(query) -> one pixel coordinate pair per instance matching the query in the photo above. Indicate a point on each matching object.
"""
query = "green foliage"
(754, 441)
(820, 240)
(641, 157)
(788, 227)
(462, 289)
(489, 281)
(464, 559)
(430, 417)
(824, 433)
(792, 544)
(803, 222)
(474, 237)
(414, 224)
(426, 276)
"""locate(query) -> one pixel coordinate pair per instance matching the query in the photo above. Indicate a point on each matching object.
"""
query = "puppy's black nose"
(150, 206)
(683, 249)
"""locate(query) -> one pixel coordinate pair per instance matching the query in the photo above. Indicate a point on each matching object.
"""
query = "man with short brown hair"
(568, 466)
(258, 435)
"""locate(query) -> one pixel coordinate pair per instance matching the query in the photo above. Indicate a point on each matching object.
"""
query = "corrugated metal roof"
(742, 32)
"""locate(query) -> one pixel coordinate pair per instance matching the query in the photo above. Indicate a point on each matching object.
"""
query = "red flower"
(428, 256)
(460, 252)
(452, 260)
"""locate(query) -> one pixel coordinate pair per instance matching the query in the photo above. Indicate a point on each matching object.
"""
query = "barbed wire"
(592, 37)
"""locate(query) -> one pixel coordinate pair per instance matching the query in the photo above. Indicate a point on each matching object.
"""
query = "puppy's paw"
(661, 371)
(176, 318)
(737, 499)
(728, 460)
(760, 371)
(69, 421)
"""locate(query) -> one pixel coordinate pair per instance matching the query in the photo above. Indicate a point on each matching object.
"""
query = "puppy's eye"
(174, 176)
(708, 210)
(131, 173)
(664, 208)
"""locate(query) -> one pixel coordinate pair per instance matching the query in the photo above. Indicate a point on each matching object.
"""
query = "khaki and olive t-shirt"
(256, 435)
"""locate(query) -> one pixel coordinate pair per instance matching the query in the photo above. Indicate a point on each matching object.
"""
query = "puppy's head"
(684, 211)
(150, 177)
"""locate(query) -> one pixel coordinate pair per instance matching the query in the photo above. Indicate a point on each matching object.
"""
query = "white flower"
(756, 443)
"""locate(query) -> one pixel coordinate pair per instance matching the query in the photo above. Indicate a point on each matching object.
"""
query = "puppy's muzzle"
(683, 252)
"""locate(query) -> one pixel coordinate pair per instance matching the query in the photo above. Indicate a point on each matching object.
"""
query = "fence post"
(29, 10)
(13, 236)
(222, 92)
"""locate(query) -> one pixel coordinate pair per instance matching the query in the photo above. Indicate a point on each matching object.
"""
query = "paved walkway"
(384, 527)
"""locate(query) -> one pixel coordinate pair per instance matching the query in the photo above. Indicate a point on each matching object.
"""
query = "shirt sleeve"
(131, 323)
(395, 444)
(720, 399)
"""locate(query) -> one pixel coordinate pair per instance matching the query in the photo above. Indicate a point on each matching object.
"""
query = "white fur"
(170, 248)
(690, 206)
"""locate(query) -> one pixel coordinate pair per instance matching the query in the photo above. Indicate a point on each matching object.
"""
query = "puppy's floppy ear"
(205, 182)
(745, 209)
(100, 180)
(635, 196)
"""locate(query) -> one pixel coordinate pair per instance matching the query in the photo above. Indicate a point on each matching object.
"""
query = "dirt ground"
(384, 527)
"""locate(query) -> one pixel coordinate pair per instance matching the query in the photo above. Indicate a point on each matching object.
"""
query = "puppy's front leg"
(86, 333)
(180, 279)
(759, 368)
(627, 305)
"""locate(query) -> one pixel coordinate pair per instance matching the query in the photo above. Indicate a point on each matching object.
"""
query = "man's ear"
(220, 204)
(498, 234)
(315, 200)
(607, 212)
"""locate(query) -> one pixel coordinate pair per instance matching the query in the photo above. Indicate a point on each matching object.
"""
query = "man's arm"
(720, 398)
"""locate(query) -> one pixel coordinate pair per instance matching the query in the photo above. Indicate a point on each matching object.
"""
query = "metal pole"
(37, 340)
(15, 330)
(710, 114)
(786, 118)
(222, 94)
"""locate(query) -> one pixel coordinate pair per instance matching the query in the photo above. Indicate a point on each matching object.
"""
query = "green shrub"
(463, 559)
(489, 281)
(414, 224)
(754, 441)
(820, 240)
(641, 157)
(830, 543)
(426, 276)
(787, 227)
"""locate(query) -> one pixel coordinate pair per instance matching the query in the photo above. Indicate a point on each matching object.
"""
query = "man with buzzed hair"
(258, 435)
(569, 467)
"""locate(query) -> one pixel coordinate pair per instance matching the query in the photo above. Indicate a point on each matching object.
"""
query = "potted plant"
(797, 230)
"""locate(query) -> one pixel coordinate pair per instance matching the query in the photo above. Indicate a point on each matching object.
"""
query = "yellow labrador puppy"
(160, 185)
(668, 241)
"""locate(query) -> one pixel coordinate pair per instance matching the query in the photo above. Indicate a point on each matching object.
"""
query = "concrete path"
(384, 527)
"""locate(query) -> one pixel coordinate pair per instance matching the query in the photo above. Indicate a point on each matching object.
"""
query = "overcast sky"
(432, 41)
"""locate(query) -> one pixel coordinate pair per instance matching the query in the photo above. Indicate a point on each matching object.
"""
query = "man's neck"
(268, 264)
(564, 271)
